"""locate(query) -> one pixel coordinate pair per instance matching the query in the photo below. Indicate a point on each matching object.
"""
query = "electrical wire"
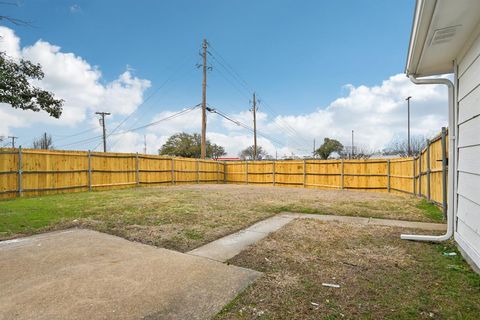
(169, 79)
(286, 127)
(175, 115)
(237, 122)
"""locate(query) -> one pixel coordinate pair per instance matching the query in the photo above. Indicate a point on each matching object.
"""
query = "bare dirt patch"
(380, 276)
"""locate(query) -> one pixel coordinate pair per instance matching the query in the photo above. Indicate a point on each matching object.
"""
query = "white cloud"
(74, 8)
(72, 79)
(377, 113)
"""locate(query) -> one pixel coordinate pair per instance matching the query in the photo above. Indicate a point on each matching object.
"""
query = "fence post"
(388, 175)
(137, 170)
(273, 172)
(218, 172)
(20, 171)
(428, 170)
(173, 170)
(444, 172)
(341, 175)
(414, 166)
(225, 172)
(246, 171)
(89, 170)
(197, 169)
(304, 172)
(420, 174)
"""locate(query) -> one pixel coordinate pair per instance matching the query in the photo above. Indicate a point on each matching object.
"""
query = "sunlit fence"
(35, 172)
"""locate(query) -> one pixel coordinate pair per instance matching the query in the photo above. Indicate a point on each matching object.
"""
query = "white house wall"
(468, 188)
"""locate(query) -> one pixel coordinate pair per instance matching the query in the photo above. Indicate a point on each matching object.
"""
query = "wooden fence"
(424, 175)
(35, 172)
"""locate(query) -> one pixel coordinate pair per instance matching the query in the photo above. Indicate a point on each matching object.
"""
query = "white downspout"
(451, 162)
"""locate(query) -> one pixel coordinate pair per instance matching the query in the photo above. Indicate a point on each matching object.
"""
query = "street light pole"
(409, 150)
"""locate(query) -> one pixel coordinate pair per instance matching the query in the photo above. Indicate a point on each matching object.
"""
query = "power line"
(175, 115)
(238, 123)
(81, 141)
(169, 79)
(236, 76)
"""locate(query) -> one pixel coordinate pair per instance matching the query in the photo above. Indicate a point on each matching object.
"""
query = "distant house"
(446, 39)
(228, 159)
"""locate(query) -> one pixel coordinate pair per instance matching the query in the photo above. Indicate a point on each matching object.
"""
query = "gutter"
(451, 164)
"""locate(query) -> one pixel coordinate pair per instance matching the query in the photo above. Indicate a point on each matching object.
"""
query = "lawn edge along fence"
(36, 172)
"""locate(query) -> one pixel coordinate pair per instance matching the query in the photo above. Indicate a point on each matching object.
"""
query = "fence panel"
(289, 173)
(369, 175)
(113, 170)
(185, 171)
(48, 172)
(401, 175)
(154, 170)
(8, 173)
(323, 174)
(260, 172)
(236, 172)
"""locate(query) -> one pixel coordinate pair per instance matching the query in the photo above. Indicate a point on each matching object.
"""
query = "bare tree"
(399, 146)
(45, 142)
(359, 152)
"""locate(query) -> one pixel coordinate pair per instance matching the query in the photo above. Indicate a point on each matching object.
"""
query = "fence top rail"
(315, 161)
(154, 157)
(398, 160)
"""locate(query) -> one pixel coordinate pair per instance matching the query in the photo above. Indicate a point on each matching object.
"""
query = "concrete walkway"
(372, 221)
(227, 247)
(231, 245)
(83, 274)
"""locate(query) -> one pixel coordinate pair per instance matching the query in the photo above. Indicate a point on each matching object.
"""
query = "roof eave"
(421, 23)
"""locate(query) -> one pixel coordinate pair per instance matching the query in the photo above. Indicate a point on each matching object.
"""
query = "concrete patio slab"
(83, 274)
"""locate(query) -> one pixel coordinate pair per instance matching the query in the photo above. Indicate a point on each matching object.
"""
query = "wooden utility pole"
(144, 144)
(254, 110)
(313, 153)
(203, 149)
(13, 140)
(102, 123)
(353, 145)
(409, 151)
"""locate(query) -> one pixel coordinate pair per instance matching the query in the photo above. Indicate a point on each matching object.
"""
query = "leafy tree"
(189, 146)
(45, 142)
(328, 147)
(16, 89)
(248, 153)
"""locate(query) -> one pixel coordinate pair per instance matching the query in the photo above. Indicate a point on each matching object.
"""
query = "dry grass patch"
(380, 276)
(183, 217)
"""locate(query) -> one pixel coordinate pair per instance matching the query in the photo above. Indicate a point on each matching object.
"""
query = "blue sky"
(298, 55)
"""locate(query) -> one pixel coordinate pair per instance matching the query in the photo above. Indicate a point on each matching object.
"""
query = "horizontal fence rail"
(36, 172)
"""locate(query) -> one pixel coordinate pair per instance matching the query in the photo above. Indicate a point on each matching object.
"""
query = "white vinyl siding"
(468, 188)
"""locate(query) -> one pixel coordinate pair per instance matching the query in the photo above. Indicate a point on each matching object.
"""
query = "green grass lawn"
(185, 217)
(380, 276)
